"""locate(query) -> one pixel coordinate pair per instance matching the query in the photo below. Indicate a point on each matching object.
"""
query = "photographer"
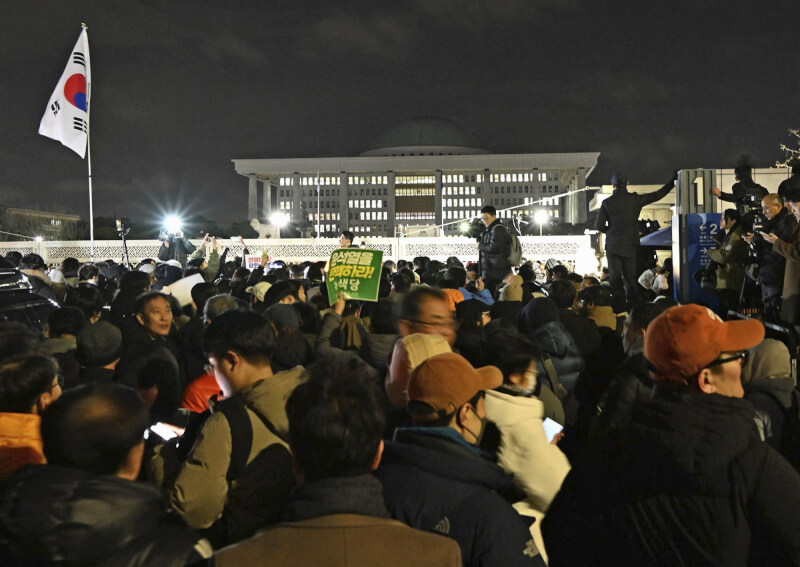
(789, 249)
(746, 193)
(175, 247)
(771, 265)
(729, 258)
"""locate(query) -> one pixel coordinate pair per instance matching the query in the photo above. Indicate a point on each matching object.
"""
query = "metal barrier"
(577, 249)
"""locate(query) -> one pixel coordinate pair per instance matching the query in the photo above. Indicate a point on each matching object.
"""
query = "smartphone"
(551, 428)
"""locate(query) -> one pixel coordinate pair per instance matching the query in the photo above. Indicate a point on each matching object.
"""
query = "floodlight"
(38, 238)
(279, 219)
(172, 223)
(541, 217)
(464, 226)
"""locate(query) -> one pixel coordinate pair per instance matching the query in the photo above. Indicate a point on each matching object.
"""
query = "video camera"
(752, 207)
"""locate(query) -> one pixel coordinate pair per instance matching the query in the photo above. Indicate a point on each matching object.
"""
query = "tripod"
(123, 232)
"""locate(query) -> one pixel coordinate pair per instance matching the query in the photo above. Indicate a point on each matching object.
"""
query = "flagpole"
(318, 235)
(89, 164)
(91, 207)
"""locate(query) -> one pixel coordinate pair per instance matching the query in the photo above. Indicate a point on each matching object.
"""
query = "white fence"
(577, 249)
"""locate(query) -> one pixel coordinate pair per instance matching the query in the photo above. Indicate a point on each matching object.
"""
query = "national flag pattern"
(66, 118)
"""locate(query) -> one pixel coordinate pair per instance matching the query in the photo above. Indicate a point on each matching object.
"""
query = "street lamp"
(541, 218)
(279, 219)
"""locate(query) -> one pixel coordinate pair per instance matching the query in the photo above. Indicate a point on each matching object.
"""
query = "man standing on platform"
(494, 249)
(618, 218)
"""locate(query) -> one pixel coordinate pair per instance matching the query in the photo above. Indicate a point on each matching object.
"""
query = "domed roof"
(425, 134)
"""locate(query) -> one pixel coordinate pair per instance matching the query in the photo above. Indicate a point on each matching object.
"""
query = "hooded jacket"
(439, 485)
(493, 251)
(688, 482)
(53, 515)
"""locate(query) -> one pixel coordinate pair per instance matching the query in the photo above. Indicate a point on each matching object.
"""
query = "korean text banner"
(356, 272)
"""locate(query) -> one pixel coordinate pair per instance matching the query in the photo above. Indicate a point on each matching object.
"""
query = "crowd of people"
(475, 414)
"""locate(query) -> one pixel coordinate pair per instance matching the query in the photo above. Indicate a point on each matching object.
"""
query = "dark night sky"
(181, 88)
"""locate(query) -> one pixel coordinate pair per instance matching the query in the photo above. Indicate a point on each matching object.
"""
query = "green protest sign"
(356, 272)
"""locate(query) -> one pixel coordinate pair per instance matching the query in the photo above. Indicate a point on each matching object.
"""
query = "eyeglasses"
(743, 355)
(59, 382)
(451, 323)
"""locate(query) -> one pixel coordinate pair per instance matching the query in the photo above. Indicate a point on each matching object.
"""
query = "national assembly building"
(424, 177)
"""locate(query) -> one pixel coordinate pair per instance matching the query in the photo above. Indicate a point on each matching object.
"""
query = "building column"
(266, 203)
(252, 198)
(390, 204)
(438, 206)
(344, 189)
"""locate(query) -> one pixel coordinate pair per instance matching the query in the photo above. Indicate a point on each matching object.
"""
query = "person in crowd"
(688, 481)
(630, 381)
(83, 507)
(745, 193)
(87, 298)
(424, 310)
(337, 514)
(190, 337)
(584, 331)
(197, 260)
(618, 218)
(28, 385)
(291, 348)
(729, 259)
(346, 239)
(379, 342)
(89, 273)
(494, 249)
(33, 266)
(523, 450)
(771, 265)
(239, 348)
(99, 348)
(768, 385)
(789, 249)
(434, 477)
(176, 247)
(131, 285)
(793, 181)
(63, 327)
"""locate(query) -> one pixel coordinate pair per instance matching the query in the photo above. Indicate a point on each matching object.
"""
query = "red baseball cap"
(684, 339)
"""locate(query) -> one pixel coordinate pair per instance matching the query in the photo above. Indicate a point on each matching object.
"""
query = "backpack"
(258, 492)
(515, 255)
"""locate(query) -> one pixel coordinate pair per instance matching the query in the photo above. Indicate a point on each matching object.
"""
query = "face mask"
(478, 436)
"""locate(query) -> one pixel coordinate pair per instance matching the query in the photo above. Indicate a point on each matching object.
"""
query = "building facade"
(424, 177)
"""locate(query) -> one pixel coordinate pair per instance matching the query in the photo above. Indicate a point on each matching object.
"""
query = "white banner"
(66, 118)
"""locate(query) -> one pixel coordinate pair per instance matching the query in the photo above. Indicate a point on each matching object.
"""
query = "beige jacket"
(342, 540)
(201, 487)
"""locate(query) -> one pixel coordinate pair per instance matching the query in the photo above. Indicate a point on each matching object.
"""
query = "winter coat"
(538, 466)
(58, 516)
(493, 251)
(341, 522)
(688, 482)
(376, 350)
(790, 299)
(20, 442)
(212, 269)
(741, 192)
(178, 249)
(201, 487)
(630, 383)
(618, 218)
(771, 265)
(730, 257)
(583, 331)
(553, 339)
(436, 484)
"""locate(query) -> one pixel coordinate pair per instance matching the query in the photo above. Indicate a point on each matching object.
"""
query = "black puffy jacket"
(618, 217)
(493, 251)
(687, 482)
(52, 515)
